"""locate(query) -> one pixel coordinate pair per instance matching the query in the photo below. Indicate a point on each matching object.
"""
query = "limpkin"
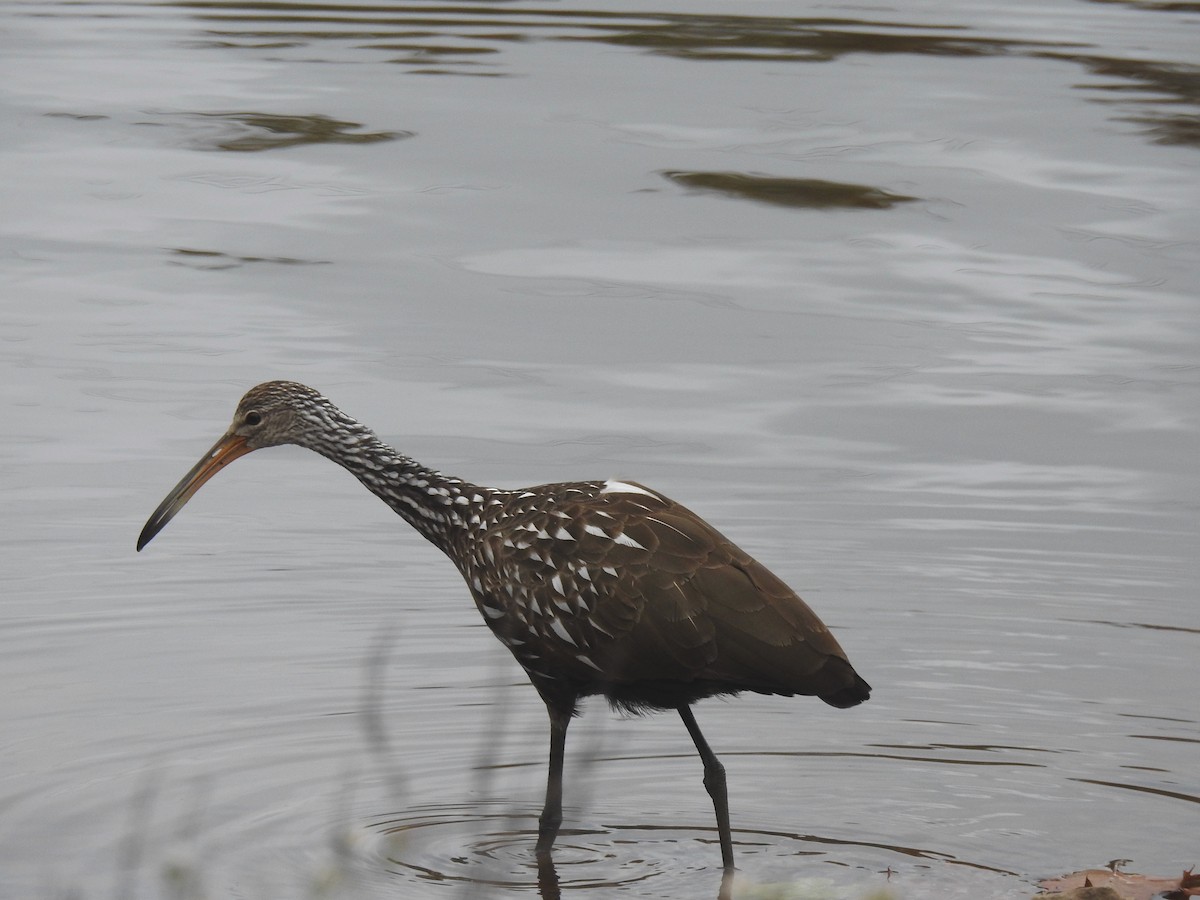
(596, 587)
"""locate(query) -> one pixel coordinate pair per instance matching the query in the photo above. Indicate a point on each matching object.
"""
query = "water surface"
(902, 299)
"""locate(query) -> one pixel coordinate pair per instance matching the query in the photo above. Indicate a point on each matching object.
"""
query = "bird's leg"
(547, 882)
(714, 783)
(552, 812)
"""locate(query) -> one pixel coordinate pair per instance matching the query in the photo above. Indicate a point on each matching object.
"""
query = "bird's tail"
(853, 693)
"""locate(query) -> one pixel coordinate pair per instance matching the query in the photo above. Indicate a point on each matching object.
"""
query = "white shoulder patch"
(624, 487)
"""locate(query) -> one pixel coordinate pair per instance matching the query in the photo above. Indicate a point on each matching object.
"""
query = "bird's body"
(596, 587)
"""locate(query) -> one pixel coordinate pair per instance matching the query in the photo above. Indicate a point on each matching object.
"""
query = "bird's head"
(273, 413)
(280, 412)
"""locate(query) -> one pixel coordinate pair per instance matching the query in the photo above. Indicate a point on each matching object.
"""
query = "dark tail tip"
(853, 694)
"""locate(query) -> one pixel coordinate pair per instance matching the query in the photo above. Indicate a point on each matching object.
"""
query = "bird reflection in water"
(548, 887)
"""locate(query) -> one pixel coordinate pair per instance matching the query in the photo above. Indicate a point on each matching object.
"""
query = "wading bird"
(597, 587)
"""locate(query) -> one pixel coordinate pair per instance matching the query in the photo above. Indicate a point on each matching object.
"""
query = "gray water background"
(903, 298)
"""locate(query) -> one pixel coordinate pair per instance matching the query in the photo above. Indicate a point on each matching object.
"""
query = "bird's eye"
(253, 418)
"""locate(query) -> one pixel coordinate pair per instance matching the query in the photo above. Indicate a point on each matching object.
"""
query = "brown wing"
(626, 587)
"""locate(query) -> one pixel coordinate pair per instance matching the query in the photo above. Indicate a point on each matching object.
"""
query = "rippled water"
(903, 299)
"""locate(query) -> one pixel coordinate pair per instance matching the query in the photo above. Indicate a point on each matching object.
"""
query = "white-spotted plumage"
(611, 486)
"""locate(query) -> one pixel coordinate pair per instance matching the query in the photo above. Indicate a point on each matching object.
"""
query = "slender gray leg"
(714, 783)
(551, 818)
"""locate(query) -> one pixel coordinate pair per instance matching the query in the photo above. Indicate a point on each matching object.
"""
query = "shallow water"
(903, 300)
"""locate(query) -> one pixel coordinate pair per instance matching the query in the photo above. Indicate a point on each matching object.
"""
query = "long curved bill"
(223, 452)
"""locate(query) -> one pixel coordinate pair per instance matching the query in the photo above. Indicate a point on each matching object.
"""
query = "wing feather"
(663, 597)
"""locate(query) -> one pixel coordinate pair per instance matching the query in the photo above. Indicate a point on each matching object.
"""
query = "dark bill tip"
(222, 453)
